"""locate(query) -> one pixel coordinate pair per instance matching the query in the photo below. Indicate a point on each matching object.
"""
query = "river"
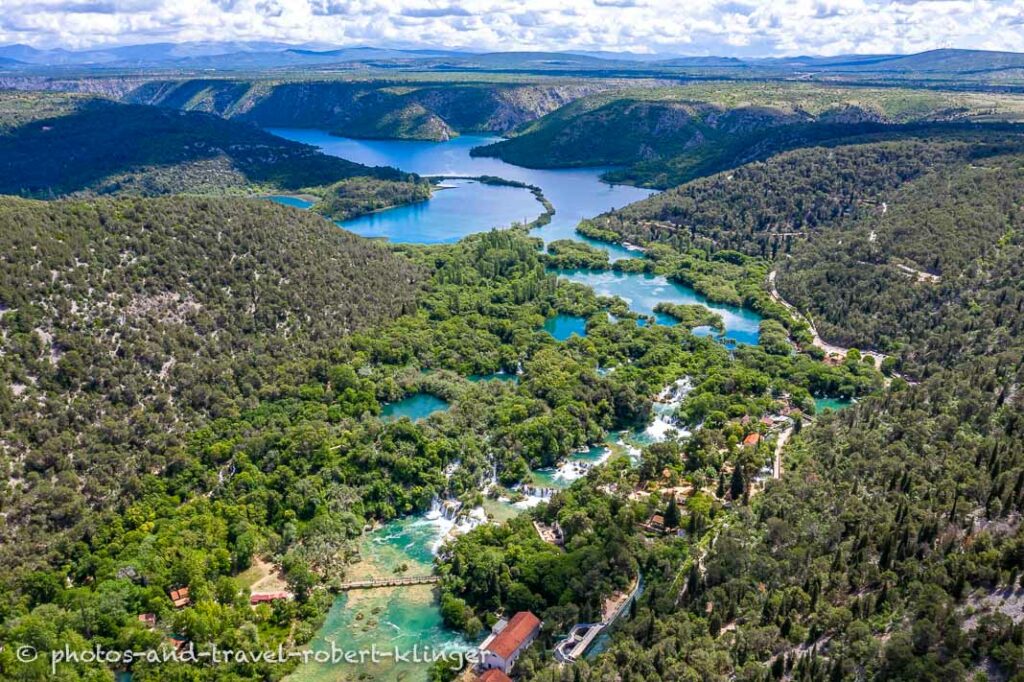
(468, 207)
(403, 616)
(576, 193)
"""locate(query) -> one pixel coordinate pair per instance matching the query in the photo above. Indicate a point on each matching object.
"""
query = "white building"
(502, 648)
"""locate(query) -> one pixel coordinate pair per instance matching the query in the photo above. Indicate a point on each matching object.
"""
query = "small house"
(267, 597)
(655, 524)
(180, 598)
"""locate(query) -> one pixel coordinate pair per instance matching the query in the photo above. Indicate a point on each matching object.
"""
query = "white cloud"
(729, 27)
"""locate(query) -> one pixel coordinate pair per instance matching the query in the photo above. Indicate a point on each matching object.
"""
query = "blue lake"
(472, 207)
(288, 200)
(416, 406)
(576, 193)
(644, 291)
(457, 209)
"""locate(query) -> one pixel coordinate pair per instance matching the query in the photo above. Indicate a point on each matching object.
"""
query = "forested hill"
(54, 145)
(124, 322)
(422, 109)
(879, 242)
(892, 546)
(923, 279)
(670, 135)
(761, 208)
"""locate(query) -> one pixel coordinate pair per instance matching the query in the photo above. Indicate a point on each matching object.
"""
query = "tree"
(672, 516)
(738, 484)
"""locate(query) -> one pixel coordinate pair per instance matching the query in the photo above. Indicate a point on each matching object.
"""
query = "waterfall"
(665, 406)
(435, 508)
(450, 509)
(536, 491)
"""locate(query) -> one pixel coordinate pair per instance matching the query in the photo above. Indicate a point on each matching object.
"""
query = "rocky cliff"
(369, 109)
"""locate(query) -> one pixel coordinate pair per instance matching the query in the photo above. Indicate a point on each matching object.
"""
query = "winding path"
(779, 445)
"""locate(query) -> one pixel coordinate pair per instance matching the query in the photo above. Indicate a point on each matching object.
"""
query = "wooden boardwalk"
(389, 582)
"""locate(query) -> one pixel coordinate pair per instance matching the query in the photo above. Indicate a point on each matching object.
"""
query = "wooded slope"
(125, 320)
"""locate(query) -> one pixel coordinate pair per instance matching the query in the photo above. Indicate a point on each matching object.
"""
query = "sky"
(744, 28)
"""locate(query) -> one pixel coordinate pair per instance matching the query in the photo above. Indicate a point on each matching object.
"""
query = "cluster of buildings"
(180, 598)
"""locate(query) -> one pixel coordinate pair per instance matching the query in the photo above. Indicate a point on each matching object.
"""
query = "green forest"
(296, 417)
(63, 145)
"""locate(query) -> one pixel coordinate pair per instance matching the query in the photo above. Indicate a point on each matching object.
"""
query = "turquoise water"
(644, 291)
(576, 193)
(294, 202)
(563, 326)
(386, 618)
(836, 404)
(458, 208)
(563, 476)
(416, 406)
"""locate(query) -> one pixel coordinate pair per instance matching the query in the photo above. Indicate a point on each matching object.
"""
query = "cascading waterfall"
(450, 509)
(665, 406)
(536, 491)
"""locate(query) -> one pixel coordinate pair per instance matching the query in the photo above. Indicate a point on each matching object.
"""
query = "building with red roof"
(180, 598)
(264, 597)
(501, 650)
(494, 675)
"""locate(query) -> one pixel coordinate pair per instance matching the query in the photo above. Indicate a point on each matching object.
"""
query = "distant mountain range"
(238, 55)
(213, 54)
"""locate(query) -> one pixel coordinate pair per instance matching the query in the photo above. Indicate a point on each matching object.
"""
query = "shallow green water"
(836, 404)
(563, 476)
(386, 618)
(416, 406)
(288, 200)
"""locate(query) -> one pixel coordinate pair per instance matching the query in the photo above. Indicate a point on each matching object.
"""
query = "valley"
(380, 352)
